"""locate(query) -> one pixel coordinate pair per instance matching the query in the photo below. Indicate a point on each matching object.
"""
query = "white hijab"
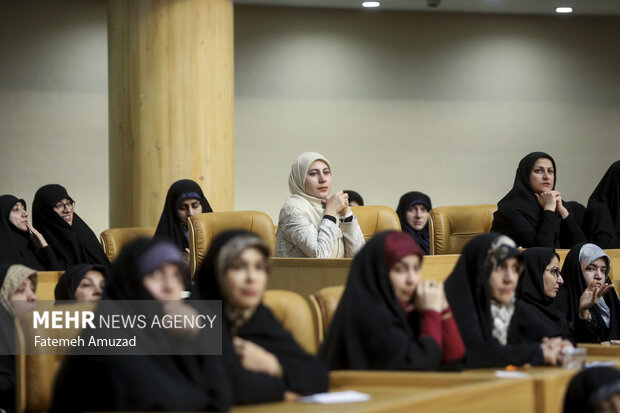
(589, 253)
(297, 183)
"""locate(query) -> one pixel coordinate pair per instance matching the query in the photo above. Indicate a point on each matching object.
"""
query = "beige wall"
(54, 103)
(442, 103)
(446, 104)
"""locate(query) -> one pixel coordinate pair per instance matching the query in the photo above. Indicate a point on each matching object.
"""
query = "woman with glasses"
(589, 302)
(539, 286)
(481, 291)
(20, 243)
(71, 239)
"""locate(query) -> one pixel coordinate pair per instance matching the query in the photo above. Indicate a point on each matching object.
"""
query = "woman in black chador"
(20, 243)
(539, 286)
(602, 220)
(533, 213)
(265, 362)
(145, 270)
(413, 211)
(493, 323)
(593, 390)
(82, 282)
(71, 239)
(183, 200)
(389, 318)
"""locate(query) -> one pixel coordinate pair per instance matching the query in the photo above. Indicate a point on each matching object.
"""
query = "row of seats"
(309, 317)
(450, 228)
(306, 319)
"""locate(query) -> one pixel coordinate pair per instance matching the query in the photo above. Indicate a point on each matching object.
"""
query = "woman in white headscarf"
(312, 222)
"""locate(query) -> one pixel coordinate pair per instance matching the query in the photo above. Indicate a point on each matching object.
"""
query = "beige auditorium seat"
(452, 227)
(114, 239)
(376, 218)
(35, 373)
(46, 284)
(294, 312)
(204, 227)
(324, 303)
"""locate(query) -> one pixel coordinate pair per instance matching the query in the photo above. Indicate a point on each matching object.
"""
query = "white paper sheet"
(511, 374)
(348, 396)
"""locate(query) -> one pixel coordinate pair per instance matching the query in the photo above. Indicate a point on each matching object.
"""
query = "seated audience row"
(260, 361)
(387, 319)
(313, 222)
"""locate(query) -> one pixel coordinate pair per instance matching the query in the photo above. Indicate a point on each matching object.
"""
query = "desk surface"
(419, 392)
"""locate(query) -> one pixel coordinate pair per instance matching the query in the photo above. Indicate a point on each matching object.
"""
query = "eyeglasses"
(61, 205)
(555, 271)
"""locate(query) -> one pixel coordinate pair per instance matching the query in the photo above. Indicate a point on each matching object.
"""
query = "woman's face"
(542, 176)
(189, 208)
(417, 216)
(246, 279)
(24, 298)
(552, 279)
(64, 209)
(503, 280)
(596, 271)
(165, 283)
(91, 286)
(19, 217)
(318, 180)
(405, 277)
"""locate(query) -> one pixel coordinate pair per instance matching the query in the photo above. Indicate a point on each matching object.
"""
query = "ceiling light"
(564, 10)
(371, 4)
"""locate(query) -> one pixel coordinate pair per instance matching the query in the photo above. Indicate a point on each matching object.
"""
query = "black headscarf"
(303, 373)
(548, 321)
(169, 226)
(15, 244)
(354, 197)
(520, 216)
(72, 244)
(578, 211)
(602, 220)
(370, 330)
(140, 383)
(568, 303)
(406, 201)
(70, 280)
(468, 292)
(589, 387)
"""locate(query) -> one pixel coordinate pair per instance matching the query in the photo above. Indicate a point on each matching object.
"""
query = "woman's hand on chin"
(547, 200)
(337, 203)
(36, 237)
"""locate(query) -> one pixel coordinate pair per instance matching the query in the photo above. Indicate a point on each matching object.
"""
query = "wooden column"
(171, 91)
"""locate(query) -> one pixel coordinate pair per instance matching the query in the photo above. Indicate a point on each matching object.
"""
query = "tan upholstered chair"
(46, 284)
(35, 374)
(454, 226)
(204, 227)
(113, 239)
(294, 312)
(376, 218)
(324, 303)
